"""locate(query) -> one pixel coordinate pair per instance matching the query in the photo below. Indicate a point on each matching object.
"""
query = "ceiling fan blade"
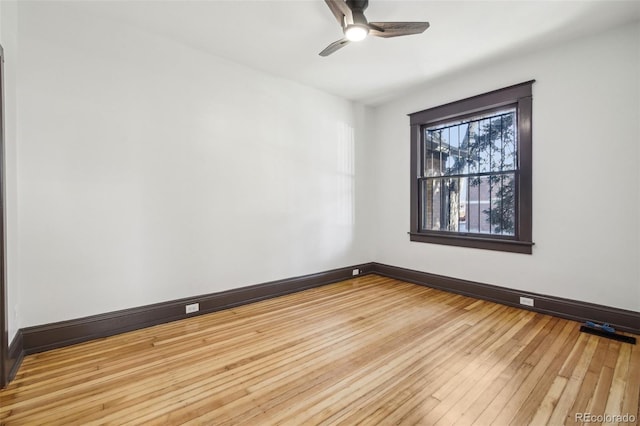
(334, 46)
(396, 29)
(341, 11)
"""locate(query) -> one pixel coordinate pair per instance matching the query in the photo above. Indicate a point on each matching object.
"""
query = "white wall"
(9, 41)
(586, 184)
(150, 171)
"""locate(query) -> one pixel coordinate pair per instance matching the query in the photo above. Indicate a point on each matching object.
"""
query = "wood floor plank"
(548, 404)
(587, 388)
(507, 404)
(308, 394)
(370, 350)
(446, 354)
(561, 412)
(508, 379)
(619, 381)
(246, 383)
(415, 392)
(544, 383)
(229, 370)
(632, 389)
(598, 402)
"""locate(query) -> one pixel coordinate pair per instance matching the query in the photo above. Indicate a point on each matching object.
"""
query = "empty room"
(308, 212)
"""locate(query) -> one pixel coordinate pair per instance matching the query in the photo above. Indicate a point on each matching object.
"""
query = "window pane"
(432, 152)
(484, 205)
(496, 143)
(425, 207)
(451, 207)
(503, 204)
(473, 158)
(456, 204)
(509, 142)
(464, 147)
(427, 152)
(452, 151)
(435, 204)
(464, 201)
(484, 145)
(444, 206)
(439, 154)
(473, 206)
(496, 201)
(480, 145)
(432, 207)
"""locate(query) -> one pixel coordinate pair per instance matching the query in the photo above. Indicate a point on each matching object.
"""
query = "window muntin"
(468, 176)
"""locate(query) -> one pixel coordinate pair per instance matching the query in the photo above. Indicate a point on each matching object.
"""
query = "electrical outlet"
(355, 272)
(194, 307)
(527, 301)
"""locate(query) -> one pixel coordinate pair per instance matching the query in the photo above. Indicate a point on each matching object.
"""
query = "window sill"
(512, 246)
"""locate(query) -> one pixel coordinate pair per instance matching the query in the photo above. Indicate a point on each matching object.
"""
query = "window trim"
(5, 367)
(519, 95)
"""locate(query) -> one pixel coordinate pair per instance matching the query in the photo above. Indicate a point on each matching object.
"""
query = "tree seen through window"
(469, 175)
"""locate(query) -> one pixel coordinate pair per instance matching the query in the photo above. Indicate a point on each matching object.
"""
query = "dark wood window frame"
(4, 332)
(519, 96)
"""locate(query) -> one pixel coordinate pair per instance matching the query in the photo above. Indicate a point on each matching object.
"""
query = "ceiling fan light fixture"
(356, 32)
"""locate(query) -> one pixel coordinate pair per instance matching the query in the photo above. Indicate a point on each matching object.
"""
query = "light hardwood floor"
(368, 350)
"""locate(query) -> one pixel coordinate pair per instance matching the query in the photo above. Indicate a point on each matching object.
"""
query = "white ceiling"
(284, 38)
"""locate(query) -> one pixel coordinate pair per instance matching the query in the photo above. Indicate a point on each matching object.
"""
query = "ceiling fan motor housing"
(357, 12)
(360, 5)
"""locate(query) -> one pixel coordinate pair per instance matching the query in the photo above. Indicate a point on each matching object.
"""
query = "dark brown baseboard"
(621, 319)
(41, 338)
(50, 336)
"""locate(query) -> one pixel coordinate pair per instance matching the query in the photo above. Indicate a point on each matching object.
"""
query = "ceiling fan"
(350, 16)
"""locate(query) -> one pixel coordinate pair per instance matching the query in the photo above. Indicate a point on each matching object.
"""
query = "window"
(471, 172)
